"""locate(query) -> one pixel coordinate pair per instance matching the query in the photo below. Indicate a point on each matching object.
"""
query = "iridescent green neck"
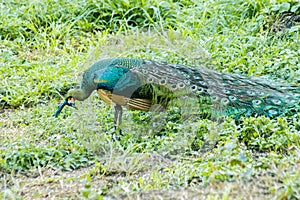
(79, 94)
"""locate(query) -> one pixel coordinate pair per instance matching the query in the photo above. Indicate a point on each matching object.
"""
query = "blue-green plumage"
(59, 109)
(139, 84)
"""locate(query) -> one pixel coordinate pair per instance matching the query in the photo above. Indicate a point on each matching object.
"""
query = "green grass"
(45, 47)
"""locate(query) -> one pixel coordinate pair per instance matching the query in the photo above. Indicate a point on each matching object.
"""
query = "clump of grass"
(61, 19)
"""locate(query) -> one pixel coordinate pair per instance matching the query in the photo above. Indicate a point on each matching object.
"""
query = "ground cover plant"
(46, 45)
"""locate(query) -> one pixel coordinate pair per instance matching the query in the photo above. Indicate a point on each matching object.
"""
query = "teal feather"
(59, 109)
(160, 82)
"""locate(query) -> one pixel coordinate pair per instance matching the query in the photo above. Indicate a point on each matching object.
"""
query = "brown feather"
(132, 104)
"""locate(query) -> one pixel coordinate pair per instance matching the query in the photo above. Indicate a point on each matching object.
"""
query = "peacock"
(147, 85)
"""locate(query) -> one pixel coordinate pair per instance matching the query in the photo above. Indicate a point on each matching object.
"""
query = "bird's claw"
(116, 133)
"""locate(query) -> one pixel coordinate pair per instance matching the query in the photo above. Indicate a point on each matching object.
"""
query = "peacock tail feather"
(232, 94)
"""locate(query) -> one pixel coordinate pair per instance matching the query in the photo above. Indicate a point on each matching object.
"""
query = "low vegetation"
(46, 45)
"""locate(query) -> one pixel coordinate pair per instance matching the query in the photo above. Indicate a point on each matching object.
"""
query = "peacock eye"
(232, 98)
(181, 85)
(291, 101)
(163, 82)
(224, 101)
(173, 87)
(186, 82)
(256, 101)
(260, 93)
(214, 98)
(276, 101)
(193, 88)
(150, 80)
(200, 90)
(273, 112)
(210, 91)
(227, 91)
(251, 93)
(202, 83)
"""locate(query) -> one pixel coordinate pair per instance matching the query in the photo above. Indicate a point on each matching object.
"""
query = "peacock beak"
(71, 102)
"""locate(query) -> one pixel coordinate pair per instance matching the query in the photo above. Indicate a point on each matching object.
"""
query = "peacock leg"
(118, 119)
(120, 116)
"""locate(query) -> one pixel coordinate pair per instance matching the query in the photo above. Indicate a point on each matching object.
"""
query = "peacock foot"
(116, 133)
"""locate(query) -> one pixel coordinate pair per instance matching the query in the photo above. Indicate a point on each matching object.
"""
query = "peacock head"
(69, 101)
